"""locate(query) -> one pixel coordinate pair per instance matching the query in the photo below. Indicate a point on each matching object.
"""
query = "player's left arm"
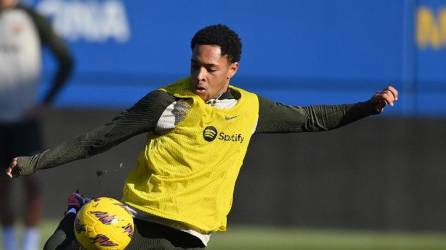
(61, 53)
(279, 118)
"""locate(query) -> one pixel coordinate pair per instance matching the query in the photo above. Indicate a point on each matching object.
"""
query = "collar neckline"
(226, 95)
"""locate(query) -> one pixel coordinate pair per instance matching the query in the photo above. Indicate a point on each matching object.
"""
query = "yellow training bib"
(189, 174)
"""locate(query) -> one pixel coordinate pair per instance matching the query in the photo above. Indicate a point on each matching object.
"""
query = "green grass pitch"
(268, 238)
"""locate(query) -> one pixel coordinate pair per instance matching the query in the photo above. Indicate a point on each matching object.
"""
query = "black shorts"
(18, 139)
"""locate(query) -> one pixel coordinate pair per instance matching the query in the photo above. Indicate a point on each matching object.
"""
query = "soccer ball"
(104, 224)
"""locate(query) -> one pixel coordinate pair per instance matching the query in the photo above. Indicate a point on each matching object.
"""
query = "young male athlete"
(23, 34)
(199, 128)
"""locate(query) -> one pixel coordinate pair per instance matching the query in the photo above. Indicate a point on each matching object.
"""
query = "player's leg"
(7, 215)
(63, 238)
(33, 213)
(34, 201)
(28, 141)
(6, 209)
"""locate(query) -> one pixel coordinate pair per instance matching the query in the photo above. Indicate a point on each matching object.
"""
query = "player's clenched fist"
(21, 166)
(387, 96)
(11, 167)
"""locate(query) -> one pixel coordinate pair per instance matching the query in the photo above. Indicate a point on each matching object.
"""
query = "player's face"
(210, 71)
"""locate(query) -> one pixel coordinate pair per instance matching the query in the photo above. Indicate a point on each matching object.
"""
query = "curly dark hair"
(220, 35)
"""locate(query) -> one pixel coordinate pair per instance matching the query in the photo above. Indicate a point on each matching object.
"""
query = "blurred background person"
(23, 33)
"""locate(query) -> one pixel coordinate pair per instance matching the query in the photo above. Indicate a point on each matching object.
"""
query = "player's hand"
(20, 166)
(12, 168)
(387, 96)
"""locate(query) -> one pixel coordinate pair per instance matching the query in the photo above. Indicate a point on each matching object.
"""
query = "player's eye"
(211, 69)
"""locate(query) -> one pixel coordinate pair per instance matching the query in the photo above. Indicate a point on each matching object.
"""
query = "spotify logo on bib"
(210, 133)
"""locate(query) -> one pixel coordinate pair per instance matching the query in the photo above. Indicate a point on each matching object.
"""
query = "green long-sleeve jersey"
(158, 112)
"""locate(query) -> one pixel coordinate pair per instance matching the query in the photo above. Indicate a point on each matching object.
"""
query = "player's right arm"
(280, 118)
(59, 49)
(142, 117)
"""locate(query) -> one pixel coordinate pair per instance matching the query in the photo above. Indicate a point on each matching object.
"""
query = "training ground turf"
(267, 238)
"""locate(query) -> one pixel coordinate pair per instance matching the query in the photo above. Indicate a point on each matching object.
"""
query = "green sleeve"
(142, 117)
(279, 118)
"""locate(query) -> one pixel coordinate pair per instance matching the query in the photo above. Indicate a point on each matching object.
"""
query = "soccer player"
(23, 32)
(198, 130)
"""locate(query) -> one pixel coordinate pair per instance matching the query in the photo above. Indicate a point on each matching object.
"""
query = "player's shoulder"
(154, 99)
(240, 91)
(158, 96)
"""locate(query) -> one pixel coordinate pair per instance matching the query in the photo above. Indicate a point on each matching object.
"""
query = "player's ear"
(233, 68)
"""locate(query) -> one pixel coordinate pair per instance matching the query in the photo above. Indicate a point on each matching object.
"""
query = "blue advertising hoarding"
(294, 51)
